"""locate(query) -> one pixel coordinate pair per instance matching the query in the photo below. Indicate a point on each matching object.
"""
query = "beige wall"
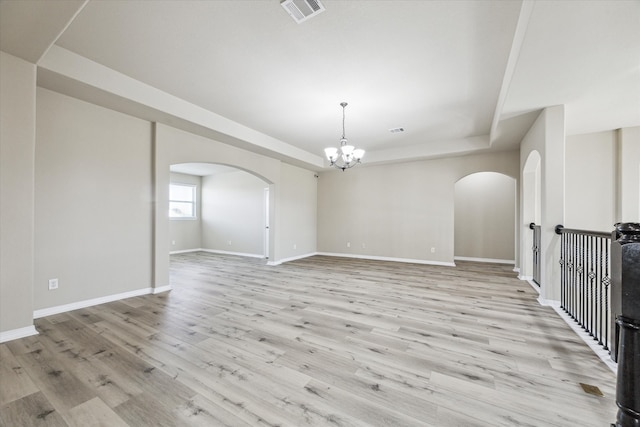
(485, 214)
(78, 198)
(285, 182)
(398, 211)
(602, 179)
(17, 144)
(590, 195)
(298, 197)
(186, 234)
(233, 213)
(173, 146)
(547, 137)
(93, 212)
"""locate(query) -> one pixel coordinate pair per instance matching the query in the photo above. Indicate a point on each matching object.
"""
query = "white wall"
(17, 144)
(233, 213)
(485, 215)
(93, 211)
(186, 234)
(398, 211)
(590, 193)
(629, 175)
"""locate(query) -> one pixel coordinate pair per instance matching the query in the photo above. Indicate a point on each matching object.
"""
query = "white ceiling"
(459, 76)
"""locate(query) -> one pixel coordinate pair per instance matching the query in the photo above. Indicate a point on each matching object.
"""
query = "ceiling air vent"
(301, 10)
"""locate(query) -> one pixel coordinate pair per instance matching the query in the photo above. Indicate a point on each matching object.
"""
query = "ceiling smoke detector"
(302, 10)
(396, 130)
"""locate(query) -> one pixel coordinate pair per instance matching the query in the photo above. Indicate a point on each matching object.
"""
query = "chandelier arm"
(344, 166)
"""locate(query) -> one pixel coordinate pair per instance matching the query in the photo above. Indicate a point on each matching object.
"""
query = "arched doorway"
(232, 211)
(485, 218)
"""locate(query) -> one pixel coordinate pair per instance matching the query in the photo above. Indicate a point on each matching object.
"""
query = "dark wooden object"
(626, 286)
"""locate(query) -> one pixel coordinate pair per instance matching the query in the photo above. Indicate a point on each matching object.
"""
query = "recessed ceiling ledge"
(86, 72)
(428, 150)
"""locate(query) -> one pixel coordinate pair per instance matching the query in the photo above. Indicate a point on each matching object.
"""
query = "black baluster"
(563, 290)
(581, 283)
(572, 275)
(599, 290)
(607, 290)
(592, 296)
(576, 278)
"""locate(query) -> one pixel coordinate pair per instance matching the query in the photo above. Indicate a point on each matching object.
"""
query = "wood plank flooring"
(320, 341)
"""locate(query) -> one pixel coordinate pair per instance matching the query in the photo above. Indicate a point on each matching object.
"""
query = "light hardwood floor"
(320, 341)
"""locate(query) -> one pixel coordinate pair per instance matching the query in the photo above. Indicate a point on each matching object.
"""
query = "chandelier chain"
(344, 104)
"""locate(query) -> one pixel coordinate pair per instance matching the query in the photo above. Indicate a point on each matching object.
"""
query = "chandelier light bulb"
(347, 150)
(331, 153)
(358, 154)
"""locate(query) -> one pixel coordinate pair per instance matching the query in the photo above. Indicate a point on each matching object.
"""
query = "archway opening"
(231, 213)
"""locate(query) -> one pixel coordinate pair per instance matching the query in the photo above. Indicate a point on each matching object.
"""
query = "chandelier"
(347, 156)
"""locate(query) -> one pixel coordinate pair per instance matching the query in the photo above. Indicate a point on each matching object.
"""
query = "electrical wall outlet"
(229, 242)
(295, 246)
(173, 242)
(348, 244)
(53, 284)
(433, 250)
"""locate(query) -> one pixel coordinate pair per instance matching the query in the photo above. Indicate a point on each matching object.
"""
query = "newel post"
(625, 269)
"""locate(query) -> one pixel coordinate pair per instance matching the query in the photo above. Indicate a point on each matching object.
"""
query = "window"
(182, 201)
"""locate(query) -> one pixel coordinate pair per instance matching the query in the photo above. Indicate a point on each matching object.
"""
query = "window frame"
(193, 201)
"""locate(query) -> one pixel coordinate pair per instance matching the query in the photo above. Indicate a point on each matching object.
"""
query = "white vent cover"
(301, 10)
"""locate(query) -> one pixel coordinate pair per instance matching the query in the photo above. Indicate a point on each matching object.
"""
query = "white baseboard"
(588, 339)
(215, 251)
(161, 289)
(95, 301)
(488, 260)
(382, 258)
(549, 303)
(185, 251)
(340, 255)
(293, 258)
(15, 334)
